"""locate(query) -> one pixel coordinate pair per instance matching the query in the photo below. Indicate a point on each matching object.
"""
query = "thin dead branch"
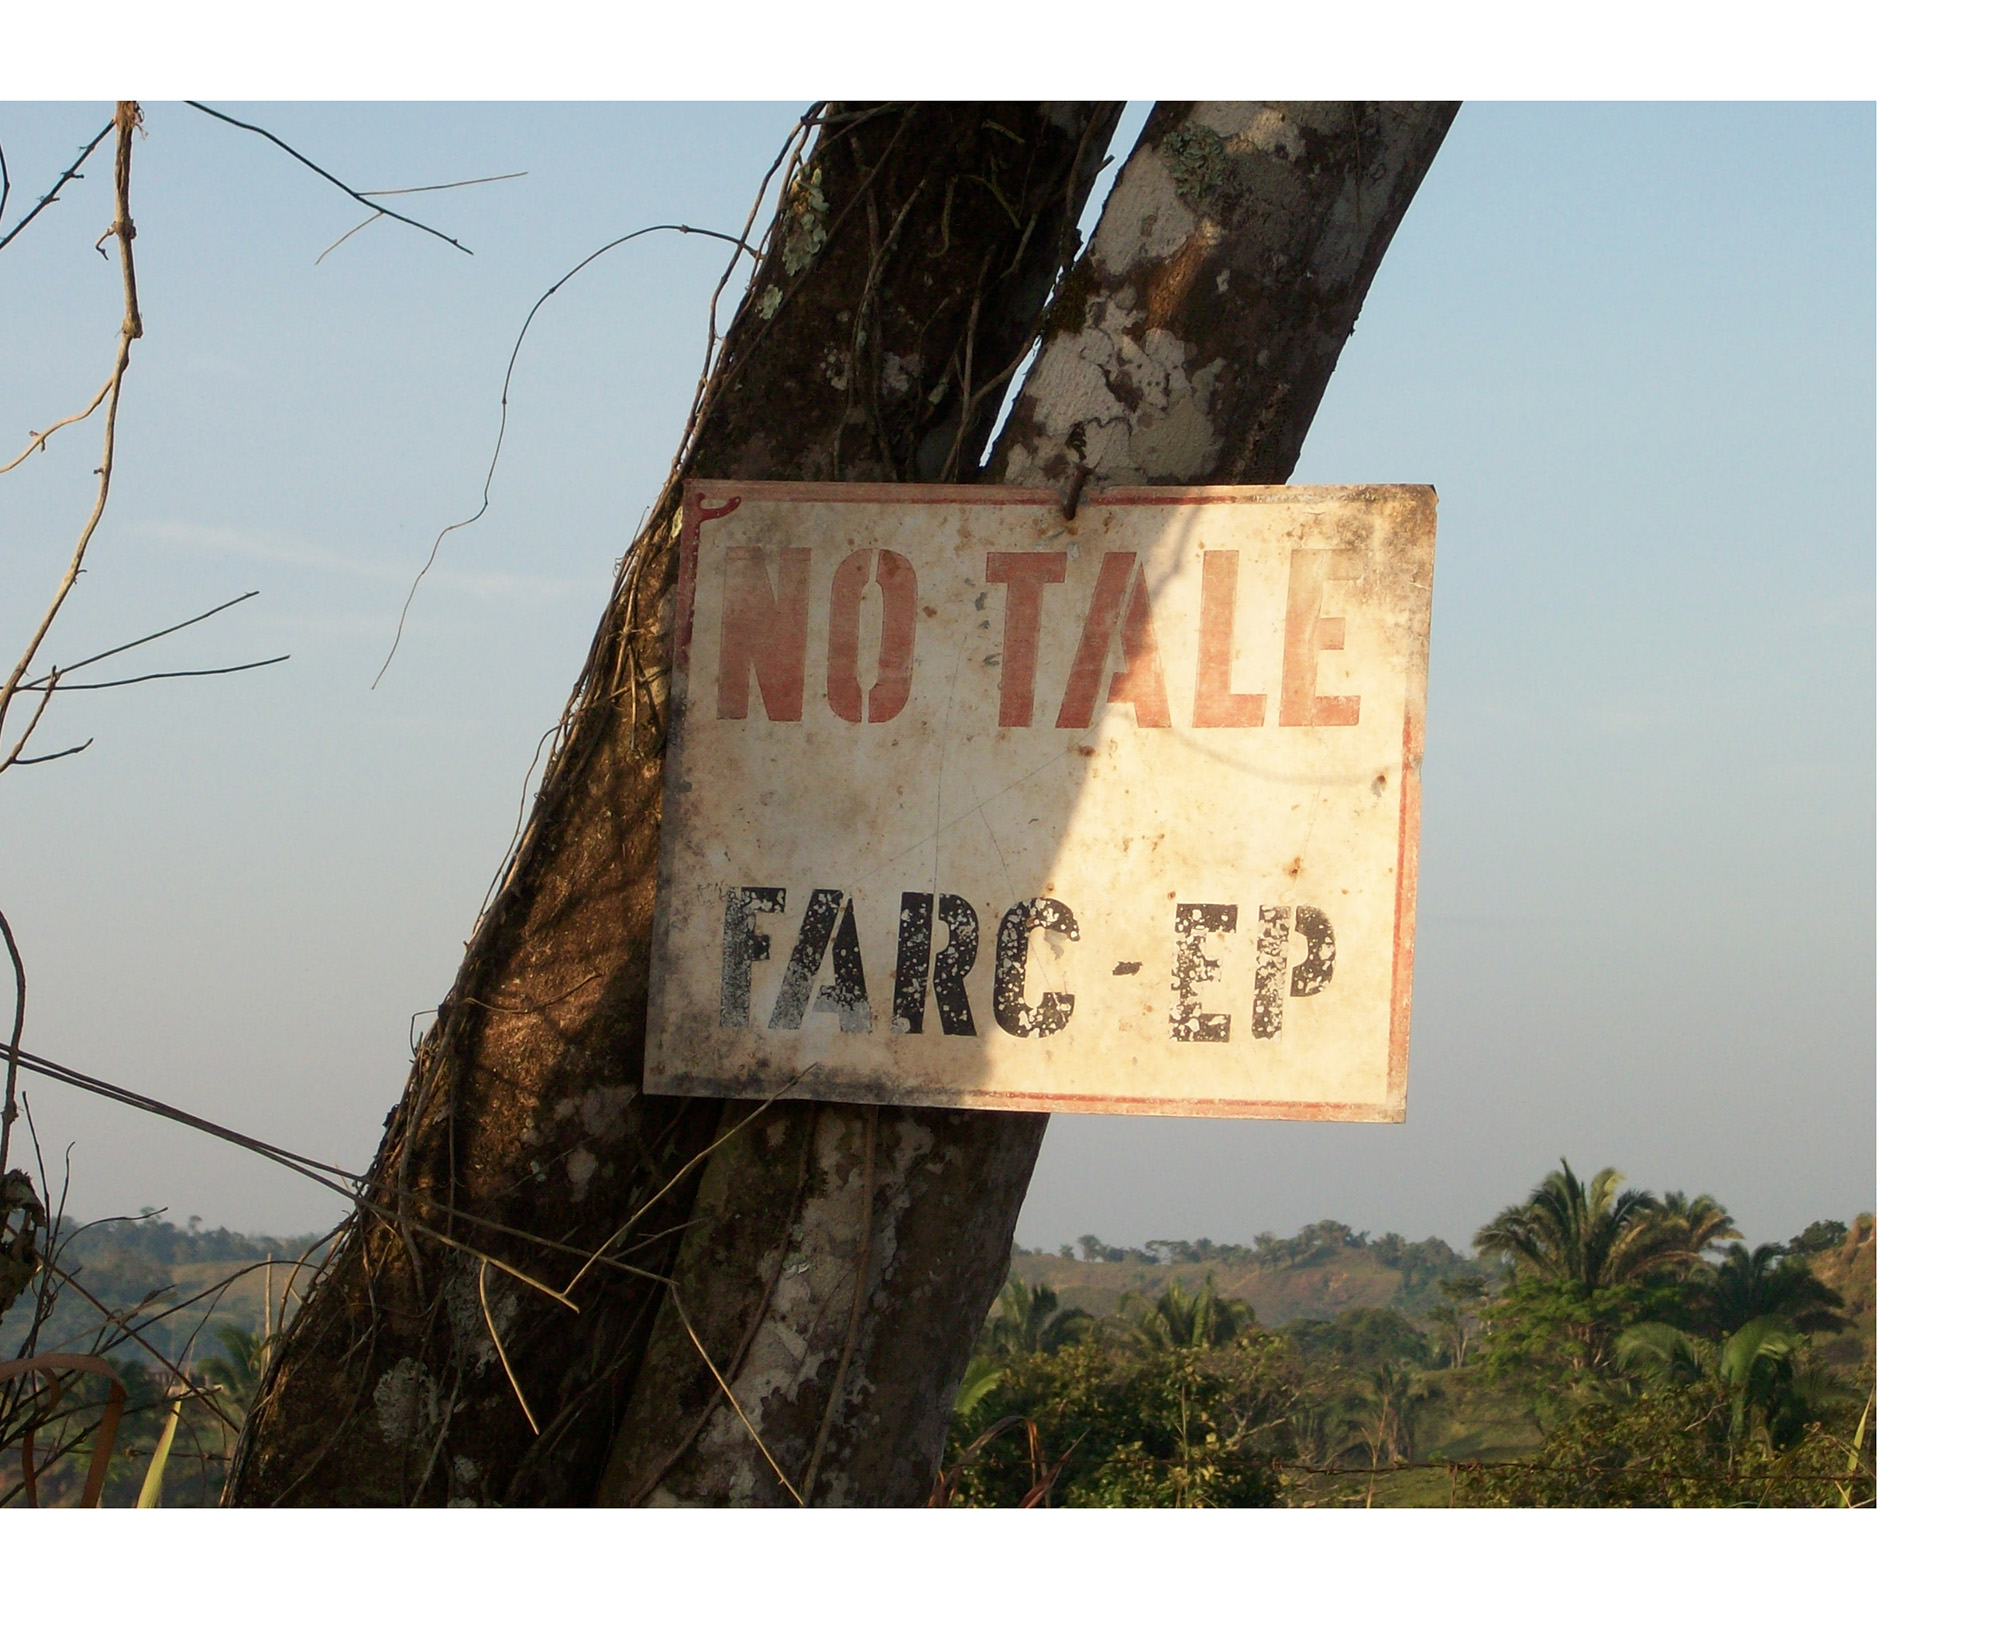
(48, 198)
(500, 1349)
(327, 175)
(9, 1110)
(158, 634)
(126, 121)
(506, 385)
(55, 683)
(60, 753)
(393, 192)
(723, 1383)
(38, 440)
(107, 1425)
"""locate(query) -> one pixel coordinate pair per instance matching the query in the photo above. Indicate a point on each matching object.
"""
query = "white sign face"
(967, 805)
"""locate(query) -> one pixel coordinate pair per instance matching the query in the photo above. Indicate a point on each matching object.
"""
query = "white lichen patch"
(1144, 219)
(1267, 128)
(1094, 376)
(805, 236)
(601, 1108)
(464, 1480)
(406, 1401)
(796, 1351)
(468, 1321)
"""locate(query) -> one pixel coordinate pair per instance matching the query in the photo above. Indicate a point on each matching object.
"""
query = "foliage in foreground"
(1634, 1353)
(1675, 1446)
(153, 1303)
(1169, 1427)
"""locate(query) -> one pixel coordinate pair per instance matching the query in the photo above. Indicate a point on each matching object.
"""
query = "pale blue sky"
(1632, 346)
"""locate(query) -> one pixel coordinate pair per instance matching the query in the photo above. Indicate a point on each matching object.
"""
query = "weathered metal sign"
(969, 805)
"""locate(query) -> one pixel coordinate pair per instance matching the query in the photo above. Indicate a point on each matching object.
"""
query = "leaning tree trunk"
(827, 1267)
(905, 278)
(840, 1259)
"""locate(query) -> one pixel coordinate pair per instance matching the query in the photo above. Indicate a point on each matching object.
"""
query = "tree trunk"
(830, 1265)
(841, 1259)
(914, 252)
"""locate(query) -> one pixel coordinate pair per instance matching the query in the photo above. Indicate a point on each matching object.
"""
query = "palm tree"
(1031, 1320)
(982, 1375)
(237, 1371)
(1590, 1236)
(1769, 1281)
(1697, 1225)
(1765, 1366)
(1178, 1319)
(1395, 1394)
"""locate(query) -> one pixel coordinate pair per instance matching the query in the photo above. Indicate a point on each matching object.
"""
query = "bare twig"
(359, 198)
(62, 181)
(441, 186)
(34, 720)
(391, 192)
(38, 440)
(157, 634)
(106, 1427)
(9, 1110)
(320, 1172)
(365, 221)
(126, 122)
(506, 384)
(112, 1317)
(756, 1438)
(500, 1349)
(62, 753)
(55, 683)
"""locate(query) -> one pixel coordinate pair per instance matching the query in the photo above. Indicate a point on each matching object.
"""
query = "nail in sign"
(969, 805)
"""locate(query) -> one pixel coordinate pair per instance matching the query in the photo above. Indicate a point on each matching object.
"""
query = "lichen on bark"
(1226, 275)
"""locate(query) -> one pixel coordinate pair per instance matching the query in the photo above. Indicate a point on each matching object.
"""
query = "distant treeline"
(150, 1272)
(1418, 1261)
(1429, 1259)
(152, 1237)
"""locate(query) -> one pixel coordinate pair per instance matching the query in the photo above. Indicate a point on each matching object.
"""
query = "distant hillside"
(1849, 1269)
(141, 1268)
(1327, 1268)
(1317, 1273)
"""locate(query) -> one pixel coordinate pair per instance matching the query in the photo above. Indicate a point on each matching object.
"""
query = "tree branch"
(62, 181)
(359, 198)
